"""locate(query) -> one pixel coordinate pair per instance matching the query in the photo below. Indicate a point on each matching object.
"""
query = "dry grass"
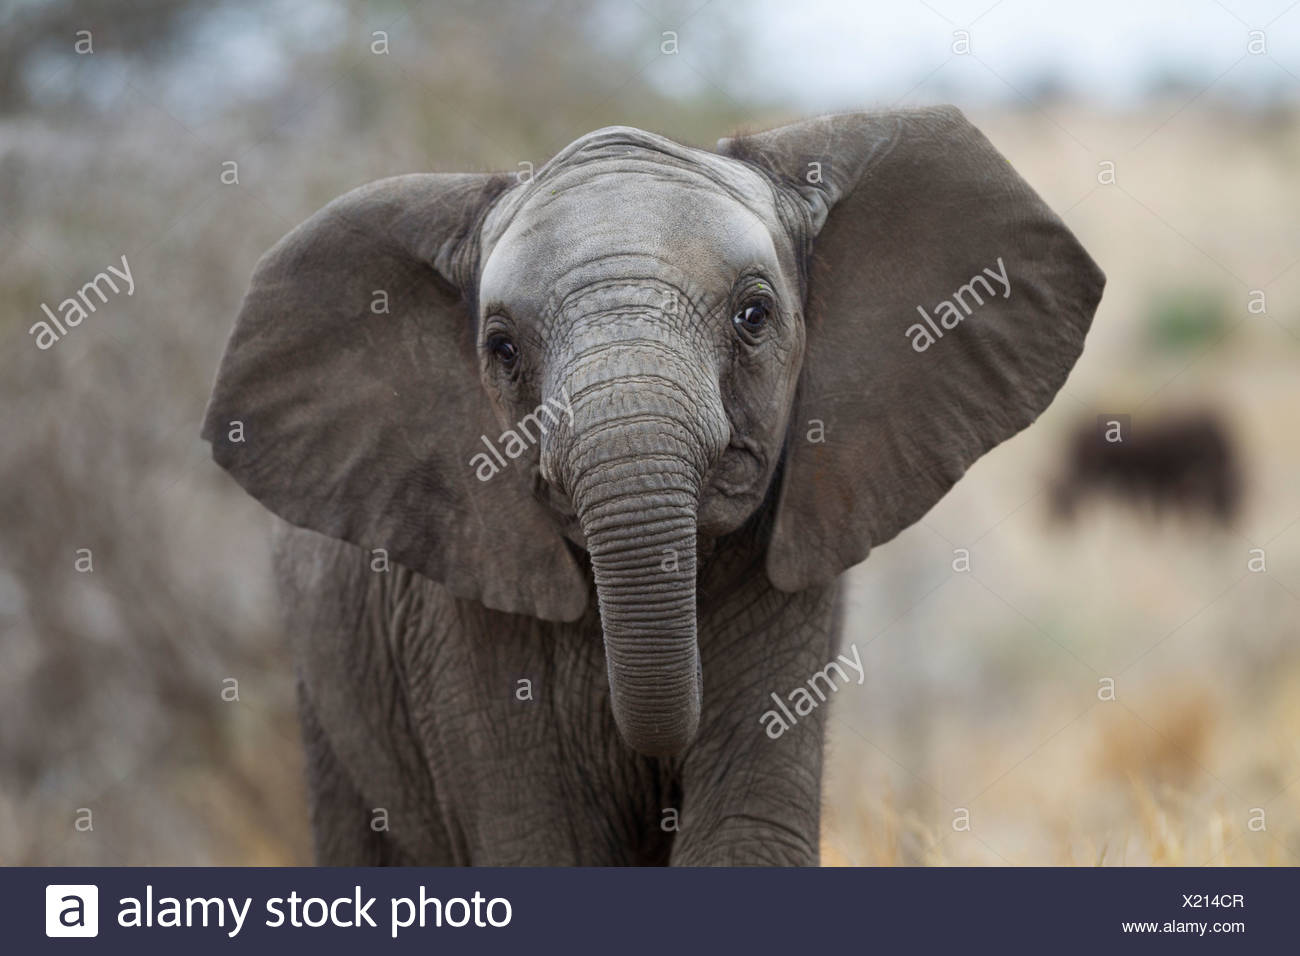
(1120, 794)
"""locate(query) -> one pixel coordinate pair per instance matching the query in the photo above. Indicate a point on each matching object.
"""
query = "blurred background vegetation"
(981, 688)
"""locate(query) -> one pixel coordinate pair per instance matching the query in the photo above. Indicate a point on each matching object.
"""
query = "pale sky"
(840, 54)
(831, 53)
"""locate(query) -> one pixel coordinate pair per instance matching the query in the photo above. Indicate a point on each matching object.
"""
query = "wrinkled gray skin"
(659, 557)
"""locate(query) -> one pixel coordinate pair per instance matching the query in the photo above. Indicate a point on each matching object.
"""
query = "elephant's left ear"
(349, 399)
(946, 304)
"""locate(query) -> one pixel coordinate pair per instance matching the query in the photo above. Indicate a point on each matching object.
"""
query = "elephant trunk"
(641, 536)
(638, 456)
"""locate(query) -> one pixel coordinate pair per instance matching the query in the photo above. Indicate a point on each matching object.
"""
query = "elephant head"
(641, 347)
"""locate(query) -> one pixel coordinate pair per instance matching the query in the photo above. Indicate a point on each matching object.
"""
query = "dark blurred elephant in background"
(696, 386)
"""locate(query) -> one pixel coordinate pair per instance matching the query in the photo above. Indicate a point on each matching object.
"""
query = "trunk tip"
(662, 742)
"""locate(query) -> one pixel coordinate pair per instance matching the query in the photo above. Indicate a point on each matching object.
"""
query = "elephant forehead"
(626, 217)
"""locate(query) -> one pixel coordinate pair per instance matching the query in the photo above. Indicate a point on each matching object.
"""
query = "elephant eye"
(504, 351)
(751, 316)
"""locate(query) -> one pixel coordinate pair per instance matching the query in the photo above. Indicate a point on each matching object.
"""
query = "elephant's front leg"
(752, 781)
(513, 717)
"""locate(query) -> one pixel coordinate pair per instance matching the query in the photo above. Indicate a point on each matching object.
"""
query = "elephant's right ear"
(349, 399)
(946, 304)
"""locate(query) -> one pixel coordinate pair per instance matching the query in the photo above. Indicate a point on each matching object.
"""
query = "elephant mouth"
(739, 469)
(734, 479)
(560, 506)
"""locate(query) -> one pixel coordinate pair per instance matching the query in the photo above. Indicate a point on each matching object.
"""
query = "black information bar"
(665, 912)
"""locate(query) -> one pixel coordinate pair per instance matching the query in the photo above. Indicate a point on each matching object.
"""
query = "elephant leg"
(373, 797)
(515, 724)
(752, 781)
(344, 827)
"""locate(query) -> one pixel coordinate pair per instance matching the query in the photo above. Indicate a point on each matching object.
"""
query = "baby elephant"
(572, 466)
